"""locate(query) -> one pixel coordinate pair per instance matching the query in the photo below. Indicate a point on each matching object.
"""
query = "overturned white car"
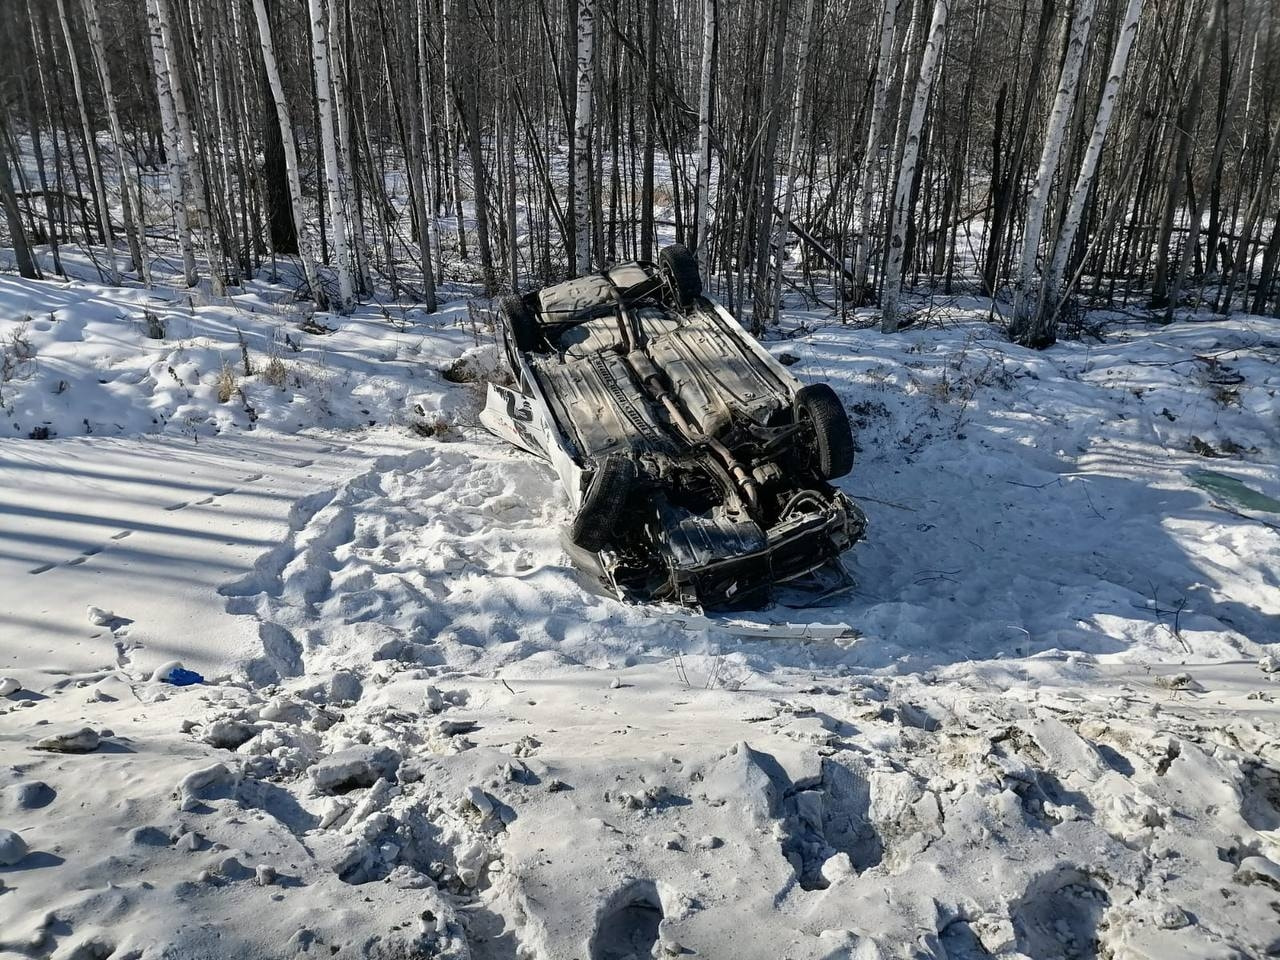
(696, 464)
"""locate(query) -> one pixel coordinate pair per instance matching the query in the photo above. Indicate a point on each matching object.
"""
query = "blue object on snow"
(183, 678)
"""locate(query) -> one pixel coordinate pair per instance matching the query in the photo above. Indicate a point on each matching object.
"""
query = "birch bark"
(329, 147)
(1037, 207)
(793, 153)
(306, 246)
(174, 153)
(1051, 291)
(907, 168)
(705, 90)
(91, 145)
(871, 162)
(134, 223)
(582, 135)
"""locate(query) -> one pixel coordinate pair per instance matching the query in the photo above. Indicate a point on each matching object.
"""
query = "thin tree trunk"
(329, 148)
(871, 161)
(1043, 329)
(705, 103)
(907, 169)
(13, 217)
(793, 153)
(91, 147)
(175, 155)
(1188, 116)
(1038, 206)
(292, 175)
(582, 135)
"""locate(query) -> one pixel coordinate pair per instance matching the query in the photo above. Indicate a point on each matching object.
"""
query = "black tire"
(595, 525)
(827, 428)
(519, 329)
(680, 270)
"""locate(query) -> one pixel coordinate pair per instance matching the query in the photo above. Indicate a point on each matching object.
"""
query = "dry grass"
(275, 372)
(16, 356)
(226, 383)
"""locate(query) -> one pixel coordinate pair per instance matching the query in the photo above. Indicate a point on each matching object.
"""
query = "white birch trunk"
(130, 200)
(871, 162)
(431, 237)
(306, 245)
(582, 134)
(1037, 207)
(177, 159)
(704, 134)
(907, 169)
(338, 65)
(1052, 285)
(91, 145)
(191, 165)
(329, 147)
(793, 154)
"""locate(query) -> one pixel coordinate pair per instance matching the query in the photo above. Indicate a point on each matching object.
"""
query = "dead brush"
(226, 383)
(153, 326)
(434, 426)
(276, 371)
(16, 356)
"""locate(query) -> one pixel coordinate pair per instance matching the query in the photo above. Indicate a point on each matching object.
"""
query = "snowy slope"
(1051, 732)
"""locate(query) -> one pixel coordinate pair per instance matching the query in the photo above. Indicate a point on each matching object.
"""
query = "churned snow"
(1047, 727)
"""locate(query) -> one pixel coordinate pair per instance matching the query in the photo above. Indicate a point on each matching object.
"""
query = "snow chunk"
(12, 848)
(30, 795)
(83, 740)
(205, 784)
(9, 685)
(1258, 870)
(99, 617)
(228, 734)
(740, 777)
(354, 767)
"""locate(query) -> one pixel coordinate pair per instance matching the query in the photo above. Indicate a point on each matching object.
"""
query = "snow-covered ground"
(1050, 729)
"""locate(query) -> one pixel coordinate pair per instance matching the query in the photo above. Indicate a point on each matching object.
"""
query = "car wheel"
(595, 525)
(520, 329)
(680, 270)
(826, 428)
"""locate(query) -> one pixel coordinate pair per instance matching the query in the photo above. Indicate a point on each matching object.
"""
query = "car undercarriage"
(698, 466)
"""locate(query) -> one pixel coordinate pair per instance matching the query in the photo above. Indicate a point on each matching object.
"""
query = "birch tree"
(427, 238)
(130, 198)
(1037, 206)
(329, 147)
(174, 152)
(793, 153)
(306, 242)
(91, 147)
(582, 134)
(27, 267)
(871, 162)
(907, 168)
(705, 102)
(1053, 288)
